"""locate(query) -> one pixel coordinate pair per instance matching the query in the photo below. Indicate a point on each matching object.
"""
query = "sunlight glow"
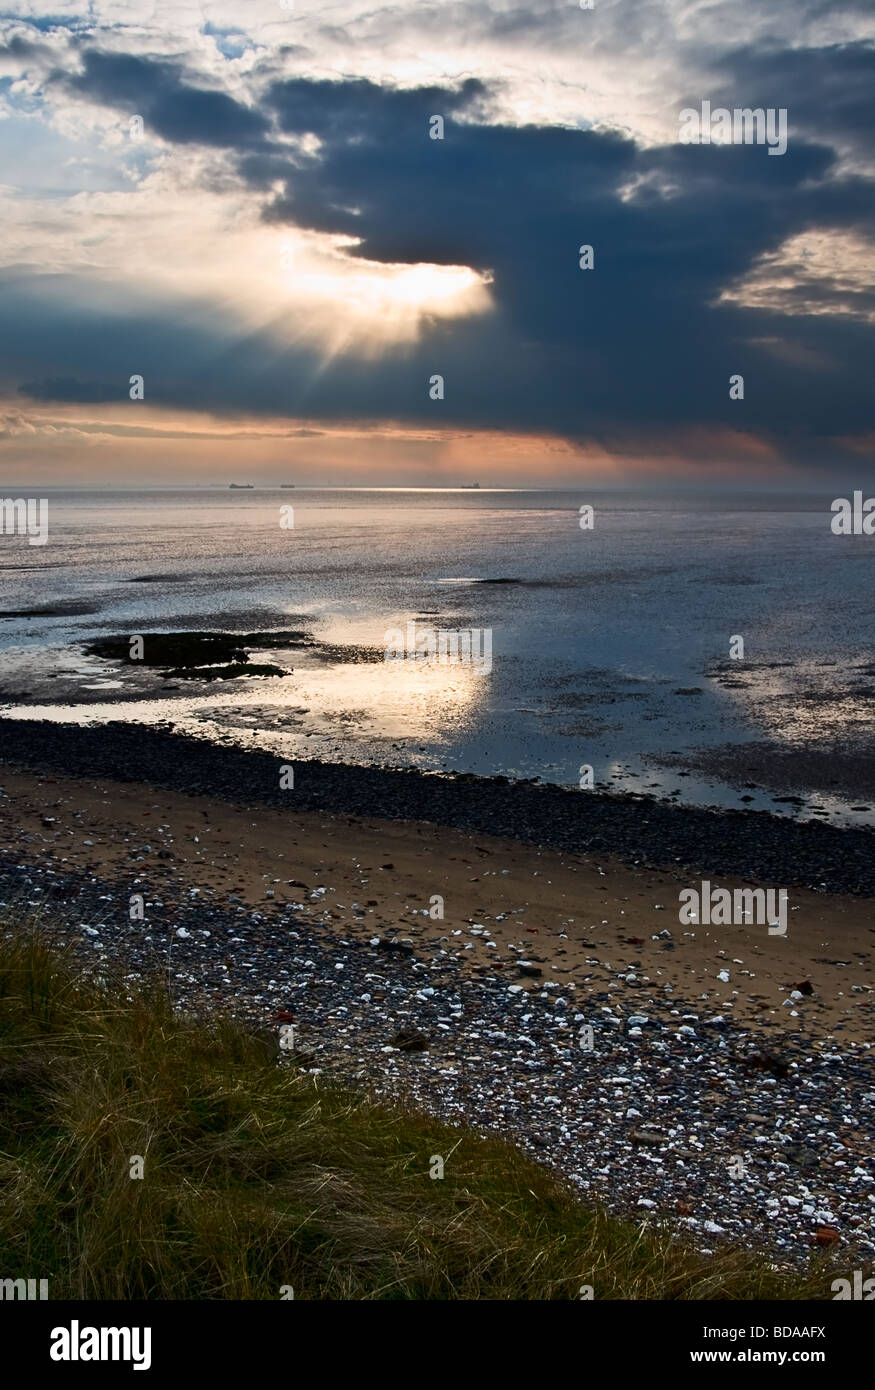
(388, 301)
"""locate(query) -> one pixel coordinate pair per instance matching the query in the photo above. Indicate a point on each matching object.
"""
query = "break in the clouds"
(246, 208)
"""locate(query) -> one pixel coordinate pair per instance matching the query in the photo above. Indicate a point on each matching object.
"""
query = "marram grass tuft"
(258, 1176)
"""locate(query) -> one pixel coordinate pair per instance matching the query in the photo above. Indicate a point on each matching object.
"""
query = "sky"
(244, 205)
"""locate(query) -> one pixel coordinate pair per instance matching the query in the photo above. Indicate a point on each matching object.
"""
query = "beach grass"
(260, 1178)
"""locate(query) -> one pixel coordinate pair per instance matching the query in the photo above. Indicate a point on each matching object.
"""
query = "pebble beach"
(720, 1080)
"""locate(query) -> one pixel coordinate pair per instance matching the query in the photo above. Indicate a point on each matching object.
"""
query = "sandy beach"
(576, 919)
(711, 1046)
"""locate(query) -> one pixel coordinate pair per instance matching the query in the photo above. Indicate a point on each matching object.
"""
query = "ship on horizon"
(470, 485)
(239, 485)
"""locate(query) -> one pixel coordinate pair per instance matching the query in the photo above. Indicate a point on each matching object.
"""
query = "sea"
(645, 647)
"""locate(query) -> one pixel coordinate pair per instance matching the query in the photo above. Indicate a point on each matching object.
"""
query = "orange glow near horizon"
(109, 444)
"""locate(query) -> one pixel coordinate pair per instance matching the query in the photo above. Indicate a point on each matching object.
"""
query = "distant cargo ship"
(470, 485)
(238, 485)
(287, 484)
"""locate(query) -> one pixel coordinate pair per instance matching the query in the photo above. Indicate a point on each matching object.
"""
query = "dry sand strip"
(568, 919)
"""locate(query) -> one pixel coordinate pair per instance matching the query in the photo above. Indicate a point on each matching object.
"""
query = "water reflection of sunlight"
(801, 707)
(382, 700)
(710, 792)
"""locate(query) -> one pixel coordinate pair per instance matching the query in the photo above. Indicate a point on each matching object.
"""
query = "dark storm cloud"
(157, 90)
(829, 92)
(24, 49)
(634, 340)
(70, 389)
(468, 198)
(637, 342)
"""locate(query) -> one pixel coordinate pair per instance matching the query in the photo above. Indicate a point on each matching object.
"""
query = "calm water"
(590, 647)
